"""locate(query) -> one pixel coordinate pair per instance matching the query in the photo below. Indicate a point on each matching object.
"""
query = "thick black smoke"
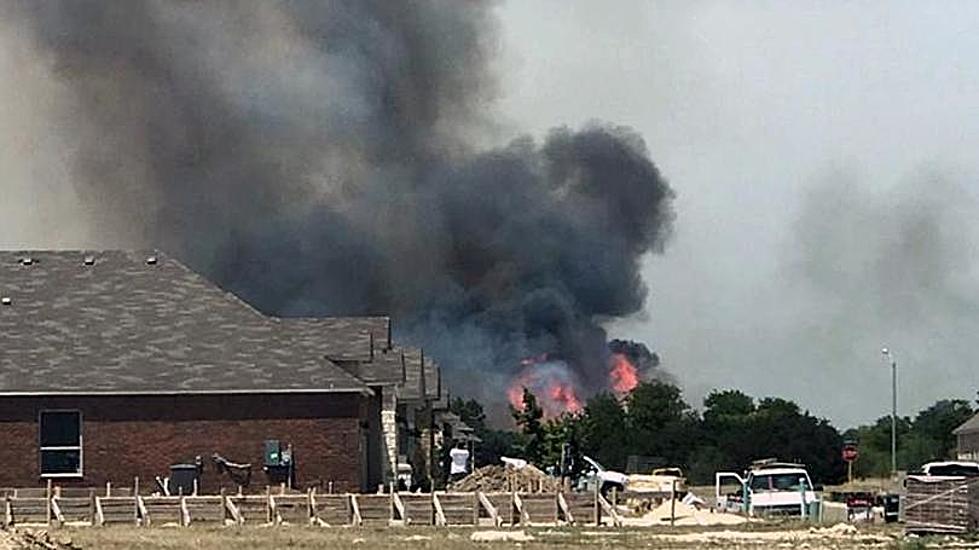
(318, 158)
(637, 353)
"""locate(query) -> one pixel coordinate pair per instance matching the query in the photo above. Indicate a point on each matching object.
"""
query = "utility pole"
(887, 355)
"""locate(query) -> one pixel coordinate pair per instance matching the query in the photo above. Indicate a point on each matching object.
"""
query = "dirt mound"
(502, 478)
(24, 539)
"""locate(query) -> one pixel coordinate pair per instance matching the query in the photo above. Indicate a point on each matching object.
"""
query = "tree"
(874, 443)
(562, 436)
(529, 420)
(494, 443)
(720, 406)
(661, 423)
(936, 424)
(736, 431)
(726, 429)
(469, 411)
(928, 437)
(652, 405)
(605, 431)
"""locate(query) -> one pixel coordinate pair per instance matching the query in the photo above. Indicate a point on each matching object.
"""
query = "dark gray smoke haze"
(321, 158)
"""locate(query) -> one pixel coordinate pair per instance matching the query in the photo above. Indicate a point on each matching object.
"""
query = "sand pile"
(685, 515)
(504, 478)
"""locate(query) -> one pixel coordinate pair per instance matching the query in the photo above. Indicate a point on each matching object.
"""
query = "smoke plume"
(321, 158)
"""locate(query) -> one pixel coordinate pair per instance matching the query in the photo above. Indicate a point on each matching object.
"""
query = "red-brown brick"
(141, 436)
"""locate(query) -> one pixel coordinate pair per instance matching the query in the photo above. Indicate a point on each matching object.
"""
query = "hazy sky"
(824, 157)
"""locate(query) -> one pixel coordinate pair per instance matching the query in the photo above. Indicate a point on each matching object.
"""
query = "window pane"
(60, 429)
(61, 462)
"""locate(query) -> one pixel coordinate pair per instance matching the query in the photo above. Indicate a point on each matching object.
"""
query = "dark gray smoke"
(638, 354)
(318, 158)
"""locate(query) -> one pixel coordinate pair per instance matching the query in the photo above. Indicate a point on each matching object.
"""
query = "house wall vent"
(151, 260)
(89, 260)
(6, 301)
(27, 260)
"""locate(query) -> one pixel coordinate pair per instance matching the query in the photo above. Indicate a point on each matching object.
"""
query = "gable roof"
(969, 426)
(342, 338)
(386, 368)
(135, 322)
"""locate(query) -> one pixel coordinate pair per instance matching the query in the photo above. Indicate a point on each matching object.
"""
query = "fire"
(551, 382)
(623, 376)
(565, 395)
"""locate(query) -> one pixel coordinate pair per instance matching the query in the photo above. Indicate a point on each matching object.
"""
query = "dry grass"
(423, 538)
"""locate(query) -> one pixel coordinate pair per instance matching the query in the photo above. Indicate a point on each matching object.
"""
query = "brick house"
(967, 436)
(116, 365)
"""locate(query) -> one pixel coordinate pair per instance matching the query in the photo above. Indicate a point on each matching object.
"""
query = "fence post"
(136, 500)
(673, 503)
(598, 507)
(268, 504)
(47, 503)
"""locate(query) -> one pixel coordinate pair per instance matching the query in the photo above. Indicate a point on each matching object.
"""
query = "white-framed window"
(60, 437)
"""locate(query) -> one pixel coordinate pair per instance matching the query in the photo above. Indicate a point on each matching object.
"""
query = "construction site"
(488, 274)
(495, 506)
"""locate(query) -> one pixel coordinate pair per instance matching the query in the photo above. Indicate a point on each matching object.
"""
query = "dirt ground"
(418, 538)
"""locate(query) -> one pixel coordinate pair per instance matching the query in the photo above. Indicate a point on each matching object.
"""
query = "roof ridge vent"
(89, 260)
(151, 260)
(6, 301)
(26, 260)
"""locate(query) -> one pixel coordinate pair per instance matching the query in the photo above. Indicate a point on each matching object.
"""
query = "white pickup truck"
(767, 488)
(605, 479)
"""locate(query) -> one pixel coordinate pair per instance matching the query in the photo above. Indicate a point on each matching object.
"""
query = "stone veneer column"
(389, 434)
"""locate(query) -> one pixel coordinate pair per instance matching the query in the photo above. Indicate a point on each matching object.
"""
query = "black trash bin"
(183, 479)
(892, 507)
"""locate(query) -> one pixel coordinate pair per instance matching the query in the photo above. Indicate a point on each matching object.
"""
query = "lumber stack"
(941, 504)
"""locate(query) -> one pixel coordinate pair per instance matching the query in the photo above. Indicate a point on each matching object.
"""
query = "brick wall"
(129, 436)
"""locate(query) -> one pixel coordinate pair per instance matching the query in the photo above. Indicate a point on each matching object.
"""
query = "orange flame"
(623, 376)
(552, 384)
(565, 395)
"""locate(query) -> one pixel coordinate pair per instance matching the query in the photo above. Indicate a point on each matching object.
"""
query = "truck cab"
(596, 476)
(769, 488)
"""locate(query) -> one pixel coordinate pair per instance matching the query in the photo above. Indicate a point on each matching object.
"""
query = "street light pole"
(893, 361)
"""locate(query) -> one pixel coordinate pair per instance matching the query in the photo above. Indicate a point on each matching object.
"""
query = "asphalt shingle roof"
(386, 368)
(414, 385)
(342, 338)
(124, 321)
(969, 426)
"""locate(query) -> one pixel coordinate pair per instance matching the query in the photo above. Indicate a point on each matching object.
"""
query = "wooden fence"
(54, 506)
